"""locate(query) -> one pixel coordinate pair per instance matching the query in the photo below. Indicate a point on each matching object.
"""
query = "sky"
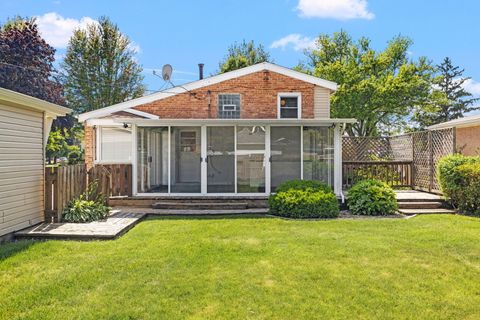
(184, 33)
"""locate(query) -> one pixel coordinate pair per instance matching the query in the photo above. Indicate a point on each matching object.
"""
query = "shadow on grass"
(10, 249)
(207, 217)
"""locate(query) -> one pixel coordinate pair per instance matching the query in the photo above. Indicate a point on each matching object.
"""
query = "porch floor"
(405, 195)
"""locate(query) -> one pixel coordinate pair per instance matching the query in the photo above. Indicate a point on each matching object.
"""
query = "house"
(24, 127)
(467, 134)
(241, 133)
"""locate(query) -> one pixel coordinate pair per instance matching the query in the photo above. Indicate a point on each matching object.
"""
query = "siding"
(467, 140)
(21, 168)
(321, 103)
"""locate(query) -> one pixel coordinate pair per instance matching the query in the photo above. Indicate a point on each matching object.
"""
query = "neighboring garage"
(467, 134)
(24, 127)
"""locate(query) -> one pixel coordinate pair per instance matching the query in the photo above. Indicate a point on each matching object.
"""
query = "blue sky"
(184, 33)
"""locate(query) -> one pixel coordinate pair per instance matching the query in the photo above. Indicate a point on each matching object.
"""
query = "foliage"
(64, 142)
(459, 178)
(449, 100)
(378, 88)
(303, 185)
(242, 55)
(304, 199)
(26, 61)
(372, 198)
(89, 206)
(100, 68)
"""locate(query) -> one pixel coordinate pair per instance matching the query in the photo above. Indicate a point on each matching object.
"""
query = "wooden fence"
(403, 160)
(398, 174)
(62, 184)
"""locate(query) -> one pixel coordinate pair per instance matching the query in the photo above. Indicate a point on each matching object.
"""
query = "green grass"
(427, 267)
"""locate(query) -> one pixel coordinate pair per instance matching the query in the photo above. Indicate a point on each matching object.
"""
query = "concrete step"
(426, 211)
(420, 205)
(199, 205)
(213, 212)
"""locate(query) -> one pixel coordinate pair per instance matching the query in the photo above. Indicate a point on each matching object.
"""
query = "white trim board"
(264, 66)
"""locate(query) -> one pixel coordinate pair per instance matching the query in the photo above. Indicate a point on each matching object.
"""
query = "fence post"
(412, 135)
(430, 160)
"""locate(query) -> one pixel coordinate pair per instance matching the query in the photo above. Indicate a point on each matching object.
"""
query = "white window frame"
(297, 95)
(98, 146)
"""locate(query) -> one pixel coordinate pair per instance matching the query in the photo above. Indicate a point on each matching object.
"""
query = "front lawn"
(426, 267)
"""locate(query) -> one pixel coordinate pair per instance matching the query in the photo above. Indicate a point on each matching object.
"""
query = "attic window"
(229, 106)
(289, 105)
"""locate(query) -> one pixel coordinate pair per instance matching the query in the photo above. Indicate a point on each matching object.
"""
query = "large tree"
(26, 61)
(100, 68)
(242, 55)
(378, 88)
(449, 100)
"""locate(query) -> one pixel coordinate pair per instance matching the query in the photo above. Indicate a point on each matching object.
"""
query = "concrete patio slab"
(115, 225)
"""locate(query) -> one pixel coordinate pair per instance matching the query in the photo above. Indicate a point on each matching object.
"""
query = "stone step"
(199, 205)
(426, 211)
(420, 205)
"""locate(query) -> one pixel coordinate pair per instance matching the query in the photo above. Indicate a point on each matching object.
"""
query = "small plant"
(459, 178)
(304, 199)
(89, 206)
(372, 198)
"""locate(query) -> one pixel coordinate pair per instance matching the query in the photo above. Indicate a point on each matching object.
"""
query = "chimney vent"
(200, 71)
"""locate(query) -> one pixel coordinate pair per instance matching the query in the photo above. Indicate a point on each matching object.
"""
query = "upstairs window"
(289, 105)
(229, 106)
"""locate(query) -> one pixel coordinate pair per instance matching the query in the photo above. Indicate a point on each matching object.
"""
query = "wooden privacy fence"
(62, 184)
(401, 161)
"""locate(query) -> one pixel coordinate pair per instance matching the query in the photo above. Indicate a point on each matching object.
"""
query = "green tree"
(242, 55)
(378, 88)
(448, 100)
(99, 68)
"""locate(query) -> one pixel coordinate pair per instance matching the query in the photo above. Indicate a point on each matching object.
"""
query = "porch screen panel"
(152, 160)
(318, 154)
(185, 160)
(220, 159)
(251, 159)
(285, 154)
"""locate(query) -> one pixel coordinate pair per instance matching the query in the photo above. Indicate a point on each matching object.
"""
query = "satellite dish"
(167, 72)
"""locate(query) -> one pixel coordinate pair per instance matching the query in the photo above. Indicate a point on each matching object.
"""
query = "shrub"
(372, 198)
(304, 199)
(89, 206)
(303, 185)
(459, 178)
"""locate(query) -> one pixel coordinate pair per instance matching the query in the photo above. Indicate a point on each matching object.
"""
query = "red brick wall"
(258, 98)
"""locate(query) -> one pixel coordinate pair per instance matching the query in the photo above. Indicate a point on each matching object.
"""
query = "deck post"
(337, 159)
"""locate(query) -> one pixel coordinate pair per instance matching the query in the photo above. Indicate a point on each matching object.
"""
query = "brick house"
(239, 133)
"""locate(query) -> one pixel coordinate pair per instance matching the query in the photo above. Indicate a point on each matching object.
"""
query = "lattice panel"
(401, 147)
(421, 160)
(366, 148)
(442, 145)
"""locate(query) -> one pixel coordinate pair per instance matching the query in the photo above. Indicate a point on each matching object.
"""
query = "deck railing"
(397, 174)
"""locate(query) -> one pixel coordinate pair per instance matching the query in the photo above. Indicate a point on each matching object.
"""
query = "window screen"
(116, 145)
(289, 107)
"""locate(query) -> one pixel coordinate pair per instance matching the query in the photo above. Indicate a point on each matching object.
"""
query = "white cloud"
(473, 87)
(296, 40)
(57, 30)
(336, 9)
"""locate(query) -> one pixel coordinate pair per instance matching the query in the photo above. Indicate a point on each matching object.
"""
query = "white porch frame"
(338, 125)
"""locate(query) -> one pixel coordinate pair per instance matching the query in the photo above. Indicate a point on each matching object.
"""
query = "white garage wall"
(21, 168)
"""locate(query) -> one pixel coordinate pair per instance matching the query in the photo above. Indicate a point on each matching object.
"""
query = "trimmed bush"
(89, 206)
(372, 198)
(459, 178)
(303, 185)
(304, 199)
